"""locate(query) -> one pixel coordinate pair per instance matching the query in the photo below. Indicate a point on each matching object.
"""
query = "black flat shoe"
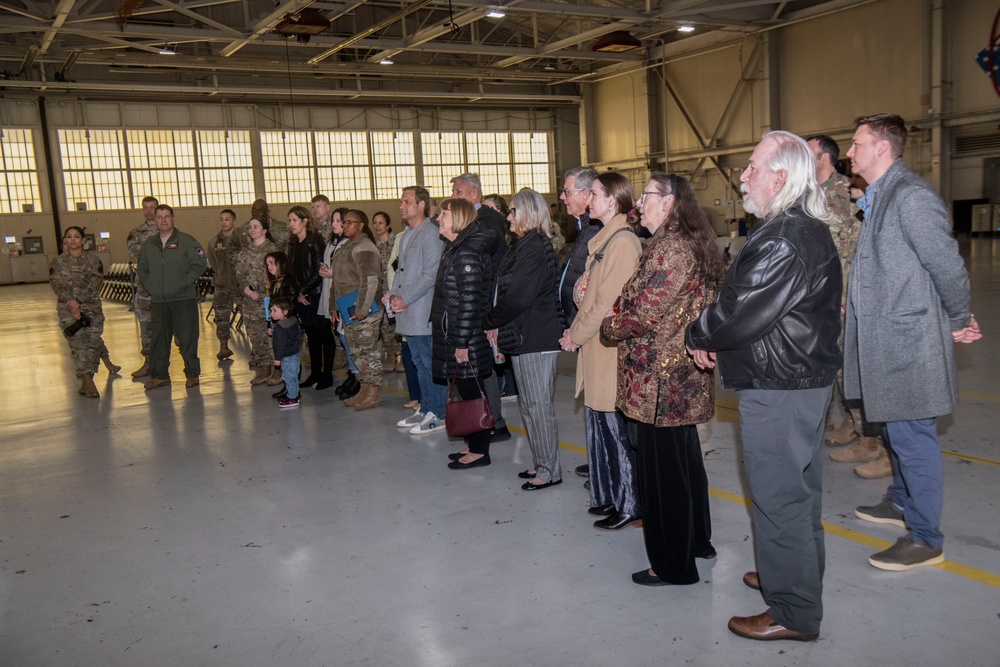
(278, 395)
(583, 471)
(454, 456)
(707, 553)
(527, 474)
(478, 463)
(602, 510)
(309, 381)
(528, 486)
(323, 384)
(616, 521)
(644, 578)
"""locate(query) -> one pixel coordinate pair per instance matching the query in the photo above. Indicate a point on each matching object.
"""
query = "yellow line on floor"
(985, 397)
(967, 457)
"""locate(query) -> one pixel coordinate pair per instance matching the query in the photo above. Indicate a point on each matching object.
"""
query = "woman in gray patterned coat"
(76, 278)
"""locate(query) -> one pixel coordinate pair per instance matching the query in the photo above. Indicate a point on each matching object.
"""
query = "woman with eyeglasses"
(356, 268)
(527, 313)
(661, 392)
(612, 257)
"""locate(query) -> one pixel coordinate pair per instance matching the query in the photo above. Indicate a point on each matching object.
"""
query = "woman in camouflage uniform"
(384, 240)
(251, 280)
(76, 278)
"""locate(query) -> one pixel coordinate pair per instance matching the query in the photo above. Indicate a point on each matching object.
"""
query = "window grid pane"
(342, 161)
(289, 168)
(531, 161)
(93, 169)
(489, 156)
(19, 185)
(444, 159)
(226, 173)
(164, 159)
(394, 160)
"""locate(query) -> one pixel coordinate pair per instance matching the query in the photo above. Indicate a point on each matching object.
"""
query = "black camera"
(81, 323)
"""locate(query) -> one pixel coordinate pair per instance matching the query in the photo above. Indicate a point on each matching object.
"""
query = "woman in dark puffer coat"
(461, 301)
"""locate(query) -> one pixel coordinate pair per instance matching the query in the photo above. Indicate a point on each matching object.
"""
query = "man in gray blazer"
(907, 304)
(410, 299)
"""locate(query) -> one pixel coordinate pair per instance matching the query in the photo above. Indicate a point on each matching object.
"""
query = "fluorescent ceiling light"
(167, 51)
(685, 28)
(496, 13)
(385, 61)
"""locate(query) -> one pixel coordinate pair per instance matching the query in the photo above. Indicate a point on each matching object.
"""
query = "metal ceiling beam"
(199, 18)
(371, 30)
(20, 12)
(588, 35)
(62, 12)
(429, 34)
(149, 11)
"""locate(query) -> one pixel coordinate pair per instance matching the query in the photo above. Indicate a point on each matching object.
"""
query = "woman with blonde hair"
(527, 313)
(461, 301)
(612, 257)
(661, 392)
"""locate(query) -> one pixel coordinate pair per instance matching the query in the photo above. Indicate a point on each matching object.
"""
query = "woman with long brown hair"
(661, 392)
(305, 256)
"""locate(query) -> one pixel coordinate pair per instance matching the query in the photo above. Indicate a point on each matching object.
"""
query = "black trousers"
(479, 443)
(673, 491)
(319, 338)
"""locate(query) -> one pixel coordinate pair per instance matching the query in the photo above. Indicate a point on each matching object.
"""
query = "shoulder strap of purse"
(599, 255)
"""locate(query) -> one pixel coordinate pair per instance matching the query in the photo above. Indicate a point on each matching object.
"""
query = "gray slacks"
(782, 432)
(492, 390)
(536, 382)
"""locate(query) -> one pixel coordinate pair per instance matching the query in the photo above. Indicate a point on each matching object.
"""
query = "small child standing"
(286, 338)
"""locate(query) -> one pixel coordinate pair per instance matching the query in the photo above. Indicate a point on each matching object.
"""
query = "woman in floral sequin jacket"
(661, 392)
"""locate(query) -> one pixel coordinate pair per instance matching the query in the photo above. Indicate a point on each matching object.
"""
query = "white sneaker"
(412, 420)
(429, 424)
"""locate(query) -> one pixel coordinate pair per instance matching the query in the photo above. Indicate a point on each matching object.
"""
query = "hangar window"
(19, 183)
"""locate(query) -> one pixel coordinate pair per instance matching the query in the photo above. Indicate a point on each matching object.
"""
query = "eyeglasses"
(568, 191)
(352, 222)
(643, 194)
(512, 212)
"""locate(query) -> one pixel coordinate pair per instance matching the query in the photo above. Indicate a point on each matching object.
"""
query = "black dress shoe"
(527, 474)
(583, 471)
(278, 395)
(616, 521)
(644, 578)
(500, 434)
(528, 486)
(478, 463)
(708, 553)
(345, 385)
(586, 485)
(454, 456)
(309, 381)
(349, 389)
(323, 384)
(602, 510)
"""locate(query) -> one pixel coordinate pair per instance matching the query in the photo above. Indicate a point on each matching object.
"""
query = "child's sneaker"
(430, 423)
(287, 402)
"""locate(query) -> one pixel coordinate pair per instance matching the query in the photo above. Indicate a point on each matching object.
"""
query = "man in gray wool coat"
(907, 304)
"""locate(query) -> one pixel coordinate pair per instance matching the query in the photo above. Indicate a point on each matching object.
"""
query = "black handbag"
(464, 417)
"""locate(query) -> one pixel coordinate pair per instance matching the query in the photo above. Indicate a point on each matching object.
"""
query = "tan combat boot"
(143, 370)
(275, 378)
(358, 397)
(112, 367)
(224, 351)
(339, 358)
(371, 397)
(867, 449)
(89, 389)
(844, 435)
(263, 375)
(880, 467)
(828, 424)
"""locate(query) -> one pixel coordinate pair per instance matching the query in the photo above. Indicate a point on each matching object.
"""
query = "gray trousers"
(536, 382)
(492, 390)
(782, 432)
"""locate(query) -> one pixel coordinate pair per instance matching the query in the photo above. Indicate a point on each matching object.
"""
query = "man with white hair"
(774, 328)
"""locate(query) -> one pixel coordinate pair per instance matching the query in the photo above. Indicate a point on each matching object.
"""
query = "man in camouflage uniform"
(845, 229)
(321, 210)
(140, 297)
(225, 291)
(277, 228)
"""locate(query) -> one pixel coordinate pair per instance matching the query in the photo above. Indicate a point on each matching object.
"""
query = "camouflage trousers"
(366, 352)
(390, 344)
(86, 345)
(144, 313)
(223, 301)
(261, 349)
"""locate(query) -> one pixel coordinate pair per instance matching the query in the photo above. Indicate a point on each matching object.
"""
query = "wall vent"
(987, 143)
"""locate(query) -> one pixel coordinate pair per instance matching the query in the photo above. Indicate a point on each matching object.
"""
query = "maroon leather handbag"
(464, 417)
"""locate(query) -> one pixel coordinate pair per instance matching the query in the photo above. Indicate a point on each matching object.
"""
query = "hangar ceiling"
(442, 52)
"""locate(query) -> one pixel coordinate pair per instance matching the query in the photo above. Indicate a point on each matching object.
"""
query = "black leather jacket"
(304, 258)
(776, 322)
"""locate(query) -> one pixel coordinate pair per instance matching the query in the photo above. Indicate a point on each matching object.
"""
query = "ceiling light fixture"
(685, 28)
(168, 50)
(385, 61)
(618, 41)
(496, 13)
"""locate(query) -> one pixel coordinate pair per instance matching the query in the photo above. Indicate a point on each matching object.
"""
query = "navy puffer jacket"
(462, 294)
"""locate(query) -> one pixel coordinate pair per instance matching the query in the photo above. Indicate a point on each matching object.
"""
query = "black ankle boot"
(345, 384)
(324, 382)
(352, 388)
(309, 381)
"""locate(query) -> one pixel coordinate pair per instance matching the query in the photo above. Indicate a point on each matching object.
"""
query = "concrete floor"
(206, 527)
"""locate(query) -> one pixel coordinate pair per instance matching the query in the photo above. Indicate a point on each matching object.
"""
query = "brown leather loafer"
(763, 627)
(156, 383)
(752, 579)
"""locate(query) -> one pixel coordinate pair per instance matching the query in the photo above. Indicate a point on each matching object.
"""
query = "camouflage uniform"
(81, 278)
(276, 228)
(390, 344)
(141, 299)
(250, 273)
(356, 265)
(838, 197)
(225, 290)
